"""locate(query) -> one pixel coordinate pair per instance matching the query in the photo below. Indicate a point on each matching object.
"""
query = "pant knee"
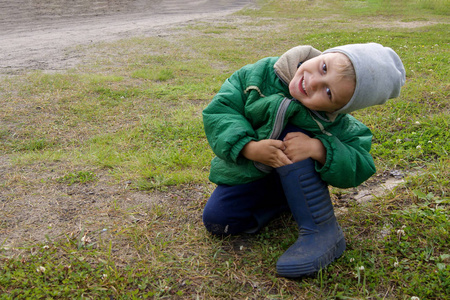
(218, 223)
(214, 222)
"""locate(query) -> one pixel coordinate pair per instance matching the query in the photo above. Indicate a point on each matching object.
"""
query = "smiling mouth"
(302, 86)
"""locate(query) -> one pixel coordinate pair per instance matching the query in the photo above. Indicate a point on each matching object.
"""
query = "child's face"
(319, 85)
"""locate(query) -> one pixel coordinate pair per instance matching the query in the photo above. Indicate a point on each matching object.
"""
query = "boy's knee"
(222, 225)
(214, 223)
(217, 229)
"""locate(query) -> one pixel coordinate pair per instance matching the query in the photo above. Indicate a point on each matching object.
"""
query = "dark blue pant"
(246, 207)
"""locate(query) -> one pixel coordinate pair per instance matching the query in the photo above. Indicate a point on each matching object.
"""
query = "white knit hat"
(379, 74)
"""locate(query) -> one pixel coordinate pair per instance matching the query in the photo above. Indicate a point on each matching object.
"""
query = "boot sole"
(306, 269)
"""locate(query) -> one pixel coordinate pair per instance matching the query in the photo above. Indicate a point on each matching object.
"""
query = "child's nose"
(315, 82)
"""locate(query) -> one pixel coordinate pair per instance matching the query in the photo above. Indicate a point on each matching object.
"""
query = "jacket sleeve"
(226, 127)
(348, 162)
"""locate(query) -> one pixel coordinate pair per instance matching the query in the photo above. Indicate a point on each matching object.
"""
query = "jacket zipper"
(276, 131)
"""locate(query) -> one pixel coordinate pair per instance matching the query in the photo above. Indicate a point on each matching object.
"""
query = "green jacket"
(255, 104)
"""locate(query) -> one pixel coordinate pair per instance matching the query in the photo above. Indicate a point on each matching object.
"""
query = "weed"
(78, 177)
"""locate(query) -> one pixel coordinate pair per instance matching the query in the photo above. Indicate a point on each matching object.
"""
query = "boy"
(281, 132)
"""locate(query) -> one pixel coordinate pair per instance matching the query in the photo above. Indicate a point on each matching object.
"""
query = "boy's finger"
(280, 145)
(284, 159)
(292, 135)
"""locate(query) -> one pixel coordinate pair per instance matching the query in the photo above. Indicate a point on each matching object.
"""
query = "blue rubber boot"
(321, 239)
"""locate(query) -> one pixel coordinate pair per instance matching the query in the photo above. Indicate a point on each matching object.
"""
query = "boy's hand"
(268, 152)
(299, 147)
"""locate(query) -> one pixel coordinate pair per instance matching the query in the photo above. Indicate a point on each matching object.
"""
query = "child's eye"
(329, 93)
(324, 68)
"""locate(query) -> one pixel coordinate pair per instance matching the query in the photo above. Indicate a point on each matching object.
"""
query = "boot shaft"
(307, 194)
(317, 196)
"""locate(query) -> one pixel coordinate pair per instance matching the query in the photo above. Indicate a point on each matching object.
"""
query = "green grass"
(78, 177)
(132, 118)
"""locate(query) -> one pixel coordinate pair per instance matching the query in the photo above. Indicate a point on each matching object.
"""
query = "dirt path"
(38, 34)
